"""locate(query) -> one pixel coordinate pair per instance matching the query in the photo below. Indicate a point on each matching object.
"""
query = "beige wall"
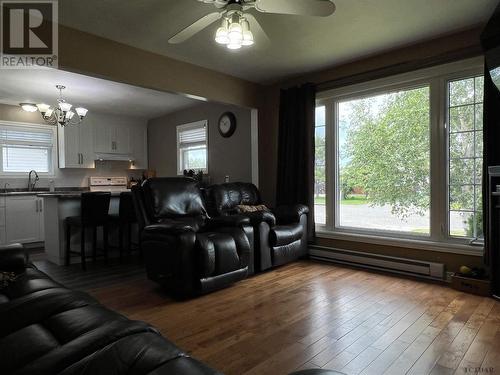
(98, 57)
(226, 156)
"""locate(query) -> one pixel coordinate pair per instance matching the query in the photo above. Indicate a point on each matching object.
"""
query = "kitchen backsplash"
(76, 177)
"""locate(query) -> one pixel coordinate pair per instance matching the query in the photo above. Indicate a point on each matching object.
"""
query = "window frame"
(181, 150)
(436, 78)
(53, 151)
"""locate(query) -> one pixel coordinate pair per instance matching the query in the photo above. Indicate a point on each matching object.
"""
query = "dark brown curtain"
(295, 175)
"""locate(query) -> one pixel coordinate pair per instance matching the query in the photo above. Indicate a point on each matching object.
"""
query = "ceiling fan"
(237, 23)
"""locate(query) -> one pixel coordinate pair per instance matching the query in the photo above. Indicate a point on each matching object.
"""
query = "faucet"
(5, 186)
(31, 185)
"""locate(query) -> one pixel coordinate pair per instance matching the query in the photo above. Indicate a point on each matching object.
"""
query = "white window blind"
(192, 146)
(25, 148)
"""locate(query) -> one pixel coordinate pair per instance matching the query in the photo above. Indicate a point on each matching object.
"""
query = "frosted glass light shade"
(221, 36)
(82, 112)
(69, 115)
(43, 108)
(65, 107)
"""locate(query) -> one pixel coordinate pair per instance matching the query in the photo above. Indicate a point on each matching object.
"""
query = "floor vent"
(379, 262)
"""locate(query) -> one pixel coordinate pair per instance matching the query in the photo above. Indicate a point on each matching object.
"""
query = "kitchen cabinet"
(23, 219)
(76, 146)
(112, 139)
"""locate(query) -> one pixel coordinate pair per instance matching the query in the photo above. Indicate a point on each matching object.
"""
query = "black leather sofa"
(280, 234)
(184, 250)
(47, 329)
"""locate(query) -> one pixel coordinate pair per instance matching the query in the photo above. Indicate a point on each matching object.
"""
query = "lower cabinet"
(23, 219)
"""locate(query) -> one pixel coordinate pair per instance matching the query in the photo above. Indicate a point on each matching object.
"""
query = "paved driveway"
(381, 218)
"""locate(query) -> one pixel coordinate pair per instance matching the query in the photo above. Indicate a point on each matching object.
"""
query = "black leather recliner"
(184, 250)
(280, 234)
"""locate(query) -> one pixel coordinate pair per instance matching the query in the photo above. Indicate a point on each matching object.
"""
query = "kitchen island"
(57, 207)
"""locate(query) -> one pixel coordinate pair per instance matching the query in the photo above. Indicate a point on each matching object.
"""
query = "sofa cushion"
(170, 197)
(285, 234)
(136, 354)
(225, 197)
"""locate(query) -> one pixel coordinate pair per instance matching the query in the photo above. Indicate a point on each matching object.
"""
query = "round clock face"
(227, 124)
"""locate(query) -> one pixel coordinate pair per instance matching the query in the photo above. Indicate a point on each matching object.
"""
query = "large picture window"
(401, 157)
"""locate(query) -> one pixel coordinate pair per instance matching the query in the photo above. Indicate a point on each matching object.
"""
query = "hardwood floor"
(309, 315)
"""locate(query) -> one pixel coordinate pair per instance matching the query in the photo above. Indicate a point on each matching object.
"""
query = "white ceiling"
(298, 44)
(36, 86)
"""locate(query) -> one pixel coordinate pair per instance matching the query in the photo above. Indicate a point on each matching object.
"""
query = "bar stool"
(125, 218)
(94, 214)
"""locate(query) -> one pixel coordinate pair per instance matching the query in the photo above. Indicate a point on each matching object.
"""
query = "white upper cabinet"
(76, 146)
(112, 139)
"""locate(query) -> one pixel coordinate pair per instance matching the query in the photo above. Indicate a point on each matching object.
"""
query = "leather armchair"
(280, 234)
(184, 250)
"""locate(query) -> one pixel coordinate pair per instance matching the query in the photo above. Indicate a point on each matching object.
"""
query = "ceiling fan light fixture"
(222, 34)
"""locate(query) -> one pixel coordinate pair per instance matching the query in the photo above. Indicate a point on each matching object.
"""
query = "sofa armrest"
(290, 214)
(228, 221)
(13, 258)
(167, 228)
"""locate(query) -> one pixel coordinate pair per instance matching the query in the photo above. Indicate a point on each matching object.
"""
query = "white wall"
(72, 177)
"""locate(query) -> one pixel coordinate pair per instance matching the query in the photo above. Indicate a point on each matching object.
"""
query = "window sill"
(428, 245)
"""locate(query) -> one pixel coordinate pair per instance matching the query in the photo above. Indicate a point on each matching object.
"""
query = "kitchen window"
(26, 147)
(192, 147)
(400, 159)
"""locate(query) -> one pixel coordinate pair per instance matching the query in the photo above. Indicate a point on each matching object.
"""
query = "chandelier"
(61, 114)
(234, 31)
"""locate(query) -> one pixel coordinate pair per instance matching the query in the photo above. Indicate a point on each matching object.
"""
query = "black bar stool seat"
(94, 214)
(125, 218)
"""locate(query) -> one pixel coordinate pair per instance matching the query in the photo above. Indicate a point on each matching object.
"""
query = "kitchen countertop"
(69, 194)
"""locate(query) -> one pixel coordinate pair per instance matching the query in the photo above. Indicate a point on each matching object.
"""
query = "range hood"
(115, 157)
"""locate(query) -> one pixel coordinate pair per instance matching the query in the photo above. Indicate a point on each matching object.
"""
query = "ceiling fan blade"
(259, 33)
(320, 8)
(195, 28)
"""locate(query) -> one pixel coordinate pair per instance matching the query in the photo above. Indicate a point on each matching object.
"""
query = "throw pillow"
(244, 208)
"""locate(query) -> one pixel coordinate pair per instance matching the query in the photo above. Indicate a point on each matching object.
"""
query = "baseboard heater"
(417, 268)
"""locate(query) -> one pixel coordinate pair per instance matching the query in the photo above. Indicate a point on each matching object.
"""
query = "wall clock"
(227, 124)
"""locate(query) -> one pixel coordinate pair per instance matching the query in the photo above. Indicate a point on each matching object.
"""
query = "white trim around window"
(46, 141)
(436, 79)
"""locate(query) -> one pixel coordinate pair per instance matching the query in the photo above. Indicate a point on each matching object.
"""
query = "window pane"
(460, 223)
(479, 117)
(195, 158)
(319, 170)
(479, 89)
(461, 118)
(461, 92)
(24, 159)
(462, 145)
(461, 171)
(465, 157)
(384, 162)
(462, 198)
